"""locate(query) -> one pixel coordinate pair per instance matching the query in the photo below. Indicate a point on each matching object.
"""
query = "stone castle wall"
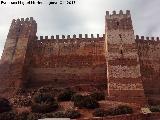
(149, 55)
(132, 64)
(69, 61)
(124, 77)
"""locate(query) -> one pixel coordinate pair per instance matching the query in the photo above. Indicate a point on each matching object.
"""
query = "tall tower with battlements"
(123, 68)
(13, 59)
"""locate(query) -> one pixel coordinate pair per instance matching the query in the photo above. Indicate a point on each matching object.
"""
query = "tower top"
(22, 28)
(114, 14)
(23, 21)
(118, 21)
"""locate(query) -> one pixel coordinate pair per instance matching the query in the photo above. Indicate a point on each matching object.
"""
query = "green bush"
(22, 116)
(44, 103)
(44, 89)
(21, 91)
(44, 108)
(7, 116)
(76, 97)
(59, 114)
(43, 98)
(155, 108)
(4, 105)
(98, 95)
(99, 112)
(48, 115)
(90, 103)
(122, 109)
(34, 116)
(85, 102)
(72, 114)
(66, 95)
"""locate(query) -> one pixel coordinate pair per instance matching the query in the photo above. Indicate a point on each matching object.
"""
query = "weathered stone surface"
(130, 66)
(122, 58)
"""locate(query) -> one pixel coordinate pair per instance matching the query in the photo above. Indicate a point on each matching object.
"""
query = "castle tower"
(123, 68)
(14, 54)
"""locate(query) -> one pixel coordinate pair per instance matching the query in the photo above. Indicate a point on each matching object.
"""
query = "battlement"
(23, 28)
(118, 21)
(147, 38)
(114, 14)
(66, 37)
(22, 21)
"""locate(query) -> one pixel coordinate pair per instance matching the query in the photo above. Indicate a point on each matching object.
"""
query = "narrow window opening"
(120, 35)
(118, 23)
(121, 52)
(19, 30)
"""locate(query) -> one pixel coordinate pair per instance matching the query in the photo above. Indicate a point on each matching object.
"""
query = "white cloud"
(87, 16)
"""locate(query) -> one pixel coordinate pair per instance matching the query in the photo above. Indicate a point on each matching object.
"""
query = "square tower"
(123, 68)
(14, 57)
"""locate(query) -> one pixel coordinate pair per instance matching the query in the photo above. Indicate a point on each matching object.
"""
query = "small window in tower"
(120, 35)
(118, 23)
(19, 30)
(121, 52)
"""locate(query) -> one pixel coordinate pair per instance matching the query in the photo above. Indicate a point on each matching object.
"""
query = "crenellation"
(22, 19)
(107, 13)
(97, 35)
(128, 12)
(103, 35)
(46, 37)
(114, 12)
(80, 36)
(120, 12)
(52, 37)
(18, 21)
(63, 36)
(74, 36)
(68, 36)
(27, 19)
(41, 37)
(92, 36)
(31, 19)
(86, 35)
(57, 37)
(137, 37)
(142, 37)
(13, 21)
(145, 39)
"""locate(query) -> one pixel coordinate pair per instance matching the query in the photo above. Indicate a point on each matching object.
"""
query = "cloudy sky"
(85, 16)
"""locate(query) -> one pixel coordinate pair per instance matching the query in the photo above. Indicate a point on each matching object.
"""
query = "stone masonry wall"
(67, 62)
(123, 68)
(149, 54)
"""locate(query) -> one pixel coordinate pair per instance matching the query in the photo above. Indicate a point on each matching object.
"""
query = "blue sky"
(85, 17)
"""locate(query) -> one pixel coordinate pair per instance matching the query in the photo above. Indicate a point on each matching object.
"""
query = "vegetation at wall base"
(85, 102)
(44, 103)
(98, 96)
(7, 116)
(66, 95)
(5, 105)
(100, 112)
(72, 114)
(155, 108)
(120, 110)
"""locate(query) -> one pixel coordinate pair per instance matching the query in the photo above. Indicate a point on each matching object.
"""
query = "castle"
(129, 65)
